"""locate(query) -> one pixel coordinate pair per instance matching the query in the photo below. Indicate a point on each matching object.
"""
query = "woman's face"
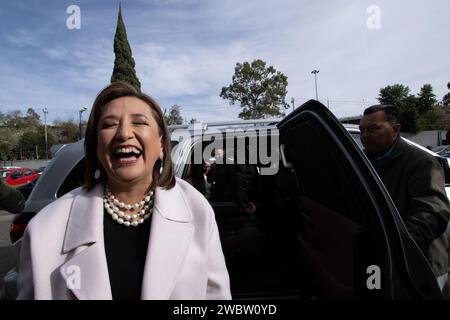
(128, 142)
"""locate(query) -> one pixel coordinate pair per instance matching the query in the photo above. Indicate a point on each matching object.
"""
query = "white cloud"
(22, 38)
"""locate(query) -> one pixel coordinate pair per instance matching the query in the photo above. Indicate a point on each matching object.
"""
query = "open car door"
(354, 241)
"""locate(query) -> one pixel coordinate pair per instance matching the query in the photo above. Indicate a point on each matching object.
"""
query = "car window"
(73, 180)
(357, 137)
(28, 172)
(262, 256)
(16, 174)
(4, 174)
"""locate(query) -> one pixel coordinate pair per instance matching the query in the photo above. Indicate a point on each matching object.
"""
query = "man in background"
(414, 179)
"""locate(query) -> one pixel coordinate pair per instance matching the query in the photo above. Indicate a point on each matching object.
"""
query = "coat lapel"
(85, 270)
(170, 236)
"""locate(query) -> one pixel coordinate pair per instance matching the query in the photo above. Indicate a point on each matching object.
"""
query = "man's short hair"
(390, 111)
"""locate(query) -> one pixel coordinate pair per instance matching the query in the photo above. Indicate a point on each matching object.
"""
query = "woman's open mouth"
(126, 155)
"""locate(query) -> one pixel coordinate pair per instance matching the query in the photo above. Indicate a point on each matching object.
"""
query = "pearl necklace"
(113, 205)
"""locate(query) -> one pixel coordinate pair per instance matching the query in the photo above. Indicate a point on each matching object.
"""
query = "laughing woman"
(134, 231)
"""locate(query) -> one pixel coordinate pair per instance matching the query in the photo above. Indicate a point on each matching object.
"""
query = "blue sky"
(185, 51)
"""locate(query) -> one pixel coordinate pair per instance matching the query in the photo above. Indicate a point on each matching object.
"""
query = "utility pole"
(45, 126)
(293, 103)
(80, 112)
(315, 72)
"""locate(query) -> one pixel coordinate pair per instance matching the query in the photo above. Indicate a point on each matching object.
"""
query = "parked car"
(444, 152)
(324, 223)
(27, 188)
(4, 172)
(21, 176)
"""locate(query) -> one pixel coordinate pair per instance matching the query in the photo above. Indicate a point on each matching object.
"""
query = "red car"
(20, 177)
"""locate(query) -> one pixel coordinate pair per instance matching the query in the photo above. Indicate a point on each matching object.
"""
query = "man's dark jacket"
(415, 181)
(11, 199)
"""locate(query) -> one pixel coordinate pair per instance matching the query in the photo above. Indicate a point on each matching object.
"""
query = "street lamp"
(80, 112)
(45, 111)
(315, 72)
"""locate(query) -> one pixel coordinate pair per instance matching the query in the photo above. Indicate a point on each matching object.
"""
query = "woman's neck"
(128, 193)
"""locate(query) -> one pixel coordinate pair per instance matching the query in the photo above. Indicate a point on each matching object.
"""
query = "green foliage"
(124, 63)
(14, 120)
(31, 119)
(433, 119)
(8, 139)
(416, 113)
(394, 95)
(67, 131)
(174, 116)
(398, 95)
(426, 99)
(259, 90)
(409, 115)
(35, 137)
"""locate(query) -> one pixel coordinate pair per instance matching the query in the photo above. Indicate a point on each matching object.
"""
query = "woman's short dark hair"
(114, 91)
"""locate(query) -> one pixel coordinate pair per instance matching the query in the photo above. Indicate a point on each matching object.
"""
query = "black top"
(126, 249)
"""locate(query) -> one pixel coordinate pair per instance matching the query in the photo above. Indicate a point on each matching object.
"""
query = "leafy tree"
(124, 63)
(409, 115)
(398, 95)
(35, 137)
(8, 139)
(14, 120)
(260, 90)
(32, 119)
(433, 119)
(426, 99)
(174, 116)
(394, 95)
(68, 131)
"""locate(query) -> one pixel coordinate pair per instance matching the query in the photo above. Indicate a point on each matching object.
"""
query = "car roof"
(55, 174)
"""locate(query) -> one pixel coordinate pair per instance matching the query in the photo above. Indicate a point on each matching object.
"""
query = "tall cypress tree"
(124, 63)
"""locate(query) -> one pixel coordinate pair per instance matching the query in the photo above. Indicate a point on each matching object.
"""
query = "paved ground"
(6, 250)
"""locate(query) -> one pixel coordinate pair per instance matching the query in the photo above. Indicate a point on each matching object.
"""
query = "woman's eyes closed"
(106, 125)
(140, 123)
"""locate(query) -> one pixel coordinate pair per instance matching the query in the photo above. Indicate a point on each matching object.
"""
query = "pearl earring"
(97, 174)
(161, 168)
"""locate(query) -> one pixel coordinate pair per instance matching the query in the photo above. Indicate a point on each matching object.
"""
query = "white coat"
(63, 253)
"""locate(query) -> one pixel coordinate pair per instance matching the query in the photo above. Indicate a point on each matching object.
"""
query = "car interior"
(308, 237)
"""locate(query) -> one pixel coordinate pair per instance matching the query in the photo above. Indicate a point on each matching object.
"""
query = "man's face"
(377, 133)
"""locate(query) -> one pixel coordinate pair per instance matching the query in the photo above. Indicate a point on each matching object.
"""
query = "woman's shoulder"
(56, 212)
(183, 203)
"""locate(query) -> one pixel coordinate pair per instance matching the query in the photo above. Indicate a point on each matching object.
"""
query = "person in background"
(199, 178)
(11, 199)
(134, 231)
(415, 181)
